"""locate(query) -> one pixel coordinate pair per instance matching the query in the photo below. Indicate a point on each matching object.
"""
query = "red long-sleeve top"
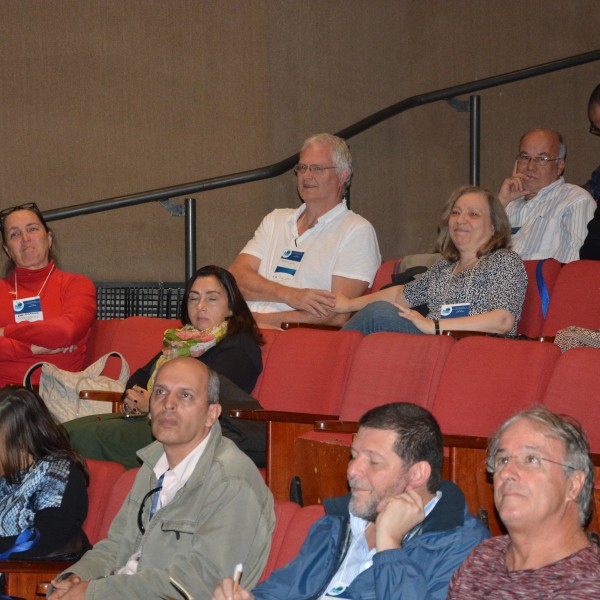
(69, 306)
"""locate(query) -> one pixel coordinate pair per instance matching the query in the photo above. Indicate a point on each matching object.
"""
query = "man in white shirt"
(197, 508)
(548, 216)
(298, 257)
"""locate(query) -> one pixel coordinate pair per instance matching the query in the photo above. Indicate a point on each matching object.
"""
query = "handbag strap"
(96, 368)
(29, 374)
(92, 370)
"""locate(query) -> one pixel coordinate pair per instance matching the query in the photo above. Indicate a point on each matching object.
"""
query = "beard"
(366, 508)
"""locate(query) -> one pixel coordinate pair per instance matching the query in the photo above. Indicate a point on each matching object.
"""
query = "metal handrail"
(286, 164)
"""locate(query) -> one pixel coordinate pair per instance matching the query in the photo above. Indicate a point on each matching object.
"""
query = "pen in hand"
(237, 575)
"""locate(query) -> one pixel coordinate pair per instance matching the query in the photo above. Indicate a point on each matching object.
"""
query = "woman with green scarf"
(218, 330)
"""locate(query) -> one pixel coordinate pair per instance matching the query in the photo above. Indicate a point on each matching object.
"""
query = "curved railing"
(286, 164)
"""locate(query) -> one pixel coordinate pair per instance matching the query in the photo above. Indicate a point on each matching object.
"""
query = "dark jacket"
(420, 570)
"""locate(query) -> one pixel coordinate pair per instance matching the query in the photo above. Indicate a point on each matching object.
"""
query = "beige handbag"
(60, 389)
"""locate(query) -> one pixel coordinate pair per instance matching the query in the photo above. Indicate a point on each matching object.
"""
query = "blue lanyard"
(156, 496)
(25, 540)
(542, 287)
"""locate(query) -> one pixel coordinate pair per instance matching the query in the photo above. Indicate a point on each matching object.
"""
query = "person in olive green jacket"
(197, 508)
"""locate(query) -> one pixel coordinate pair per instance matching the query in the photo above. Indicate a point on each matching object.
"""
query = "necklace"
(43, 284)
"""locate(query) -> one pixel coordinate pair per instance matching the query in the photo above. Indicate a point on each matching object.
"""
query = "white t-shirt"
(340, 243)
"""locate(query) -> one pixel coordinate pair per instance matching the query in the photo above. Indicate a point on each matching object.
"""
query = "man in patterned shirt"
(543, 483)
(548, 217)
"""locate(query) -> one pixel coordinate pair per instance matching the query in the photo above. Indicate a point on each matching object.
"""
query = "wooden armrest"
(465, 441)
(23, 576)
(99, 395)
(337, 426)
(103, 396)
(34, 566)
(459, 334)
(286, 326)
(278, 416)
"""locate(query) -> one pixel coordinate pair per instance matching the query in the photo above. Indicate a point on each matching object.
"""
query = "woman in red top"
(45, 313)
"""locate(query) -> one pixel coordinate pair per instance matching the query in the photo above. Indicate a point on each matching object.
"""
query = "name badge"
(288, 265)
(28, 309)
(453, 311)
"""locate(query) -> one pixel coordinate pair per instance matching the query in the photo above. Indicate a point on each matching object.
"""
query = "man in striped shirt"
(548, 216)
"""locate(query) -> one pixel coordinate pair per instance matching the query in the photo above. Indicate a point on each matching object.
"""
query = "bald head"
(540, 144)
(183, 406)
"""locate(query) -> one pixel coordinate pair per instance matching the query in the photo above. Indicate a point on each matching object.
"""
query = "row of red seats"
(307, 373)
(470, 385)
(574, 300)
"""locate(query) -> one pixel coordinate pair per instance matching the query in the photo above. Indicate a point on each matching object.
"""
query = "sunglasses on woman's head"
(8, 211)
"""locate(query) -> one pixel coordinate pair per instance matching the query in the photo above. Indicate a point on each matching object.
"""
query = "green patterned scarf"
(187, 341)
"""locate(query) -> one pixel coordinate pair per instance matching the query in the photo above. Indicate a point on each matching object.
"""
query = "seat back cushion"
(103, 475)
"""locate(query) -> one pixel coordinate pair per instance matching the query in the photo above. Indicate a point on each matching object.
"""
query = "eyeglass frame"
(301, 168)
(540, 161)
(594, 130)
(490, 462)
(140, 515)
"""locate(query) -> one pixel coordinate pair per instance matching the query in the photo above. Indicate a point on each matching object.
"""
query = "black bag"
(249, 436)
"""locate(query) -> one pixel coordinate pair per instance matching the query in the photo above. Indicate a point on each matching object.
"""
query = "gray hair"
(500, 238)
(567, 430)
(213, 387)
(339, 151)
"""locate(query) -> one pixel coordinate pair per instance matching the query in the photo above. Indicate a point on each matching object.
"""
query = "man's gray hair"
(567, 430)
(339, 151)
(213, 387)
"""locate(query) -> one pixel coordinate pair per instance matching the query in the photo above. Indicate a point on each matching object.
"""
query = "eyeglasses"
(7, 211)
(540, 161)
(314, 169)
(151, 494)
(527, 462)
(594, 130)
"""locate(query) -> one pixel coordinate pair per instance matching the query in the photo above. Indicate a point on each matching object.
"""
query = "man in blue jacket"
(399, 535)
